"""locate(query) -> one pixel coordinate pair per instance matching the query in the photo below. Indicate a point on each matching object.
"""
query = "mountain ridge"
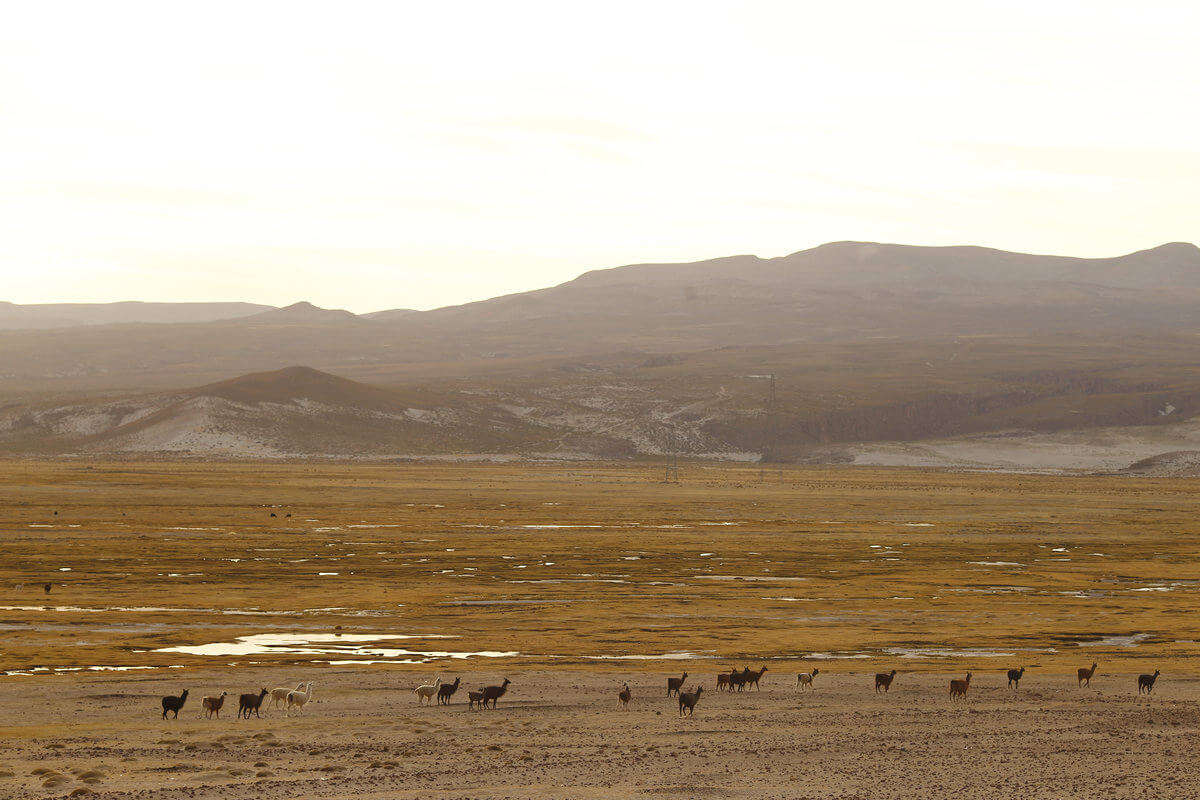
(867, 343)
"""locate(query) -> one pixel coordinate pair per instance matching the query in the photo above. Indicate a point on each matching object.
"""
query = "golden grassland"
(577, 568)
(566, 563)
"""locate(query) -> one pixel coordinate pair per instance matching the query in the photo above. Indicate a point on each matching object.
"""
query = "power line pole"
(672, 475)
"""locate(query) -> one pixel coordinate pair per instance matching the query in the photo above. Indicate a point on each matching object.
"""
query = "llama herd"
(211, 705)
(445, 692)
(733, 681)
(738, 680)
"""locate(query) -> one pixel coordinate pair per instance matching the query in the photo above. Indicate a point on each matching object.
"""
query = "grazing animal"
(753, 677)
(494, 693)
(737, 679)
(959, 688)
(1147, 682)
(884, 679)
(1085, 675)
(47, 586)
(723, 681)
(446, 691)
(474, 698)
(806, 679)
(688, 700)
(623, 697)
(675, 684)
(172, 703)
(279, 694)
(299, 699)
(212, 705)
(1014, 678)
(250, 702)
(427, 691)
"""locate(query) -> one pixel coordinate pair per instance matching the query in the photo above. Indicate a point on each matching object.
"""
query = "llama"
(723, 681)
(427, 691)
(688, 700)
(623, 697)
(1147, 682)
(884, 679)
(494, 693)
(737, 679)
(959, 688)
(474, 699)
(675, 684)
(251, 702)
(806, 679)
(1014, 678)
(280, 693)
(172, 703)
(212, 705)
(446, 691)
(299, 699)
(1085, 675)
(753, 677)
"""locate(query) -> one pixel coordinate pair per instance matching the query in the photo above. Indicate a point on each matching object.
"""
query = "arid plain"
(571, 580)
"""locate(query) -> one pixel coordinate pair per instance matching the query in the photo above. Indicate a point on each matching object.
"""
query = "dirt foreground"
(559, 735)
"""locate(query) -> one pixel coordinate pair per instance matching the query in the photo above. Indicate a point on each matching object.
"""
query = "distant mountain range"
(867, 343)
(70, 315)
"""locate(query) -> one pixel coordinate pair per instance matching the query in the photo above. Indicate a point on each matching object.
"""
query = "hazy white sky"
(415, 154)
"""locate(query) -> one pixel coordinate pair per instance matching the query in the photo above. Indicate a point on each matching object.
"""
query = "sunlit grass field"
(591, 565)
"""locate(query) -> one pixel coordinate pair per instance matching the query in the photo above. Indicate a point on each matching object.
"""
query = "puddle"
(330, 644)
(995, 589)
(135, 609)
(556, 527)
(836, 656)
(996, 563)
(510, 602)
(1132, 640)
(59, 670)
(745, 578)
(682, 655)
(567, 580)
(948, 652)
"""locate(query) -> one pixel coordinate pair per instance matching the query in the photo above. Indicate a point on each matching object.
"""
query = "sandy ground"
(559, 735)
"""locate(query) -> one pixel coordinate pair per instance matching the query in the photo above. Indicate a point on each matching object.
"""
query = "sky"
(381, 155)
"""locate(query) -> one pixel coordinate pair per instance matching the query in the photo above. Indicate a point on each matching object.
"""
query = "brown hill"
(1176, 464)
(298, 313)
(69, 315)
(867, 343)
(842, 292)
(297, 411)
(296, 384)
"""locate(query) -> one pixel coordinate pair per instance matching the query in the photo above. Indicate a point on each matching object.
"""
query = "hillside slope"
(842, 292)
(866, 343)
(69, 315)
(296, 411)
